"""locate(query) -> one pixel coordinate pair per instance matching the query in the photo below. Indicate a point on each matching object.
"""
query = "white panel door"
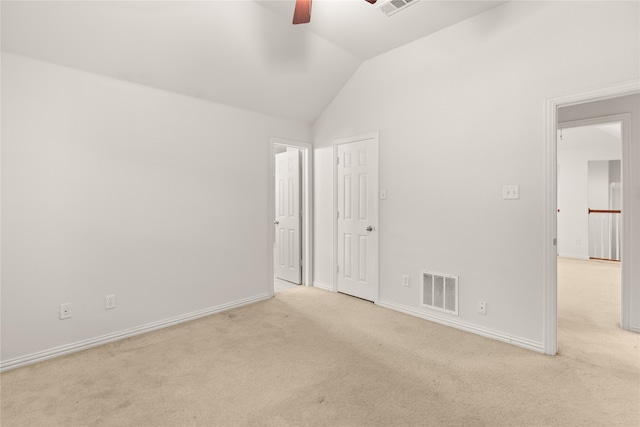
(357, 218)
(288, 243)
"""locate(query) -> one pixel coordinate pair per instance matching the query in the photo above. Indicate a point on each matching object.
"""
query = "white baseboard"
(40, 356)
(478, 330)
(323, 286)
(574, 256)
(635, 328)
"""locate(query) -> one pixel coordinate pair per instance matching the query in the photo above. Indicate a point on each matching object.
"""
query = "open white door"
(287, 222)
(357, 217)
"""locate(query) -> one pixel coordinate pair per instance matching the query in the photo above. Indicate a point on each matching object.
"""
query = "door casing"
(550, 289)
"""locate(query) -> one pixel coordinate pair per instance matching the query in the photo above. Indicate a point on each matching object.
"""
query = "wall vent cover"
(440, 291)
(389, 7)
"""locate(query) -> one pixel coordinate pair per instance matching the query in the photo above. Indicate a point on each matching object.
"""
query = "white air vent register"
(440, 292)
(389, 7)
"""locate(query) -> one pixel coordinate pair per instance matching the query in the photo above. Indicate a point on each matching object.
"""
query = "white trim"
(375, 137)
(574, 256)
(468, 327)
(307, 207)
(615, 118)
(550, 210)
(40, 356)
(323, 286)
(550, 288)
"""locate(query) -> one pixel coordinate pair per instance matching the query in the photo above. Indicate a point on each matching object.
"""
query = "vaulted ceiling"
(243, 53)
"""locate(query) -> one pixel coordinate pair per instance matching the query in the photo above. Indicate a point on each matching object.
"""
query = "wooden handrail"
(604, 211)
(604, 259)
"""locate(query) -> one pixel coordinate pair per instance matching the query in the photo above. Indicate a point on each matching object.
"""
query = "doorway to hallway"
(589, 189)
(288, 214)
(589, 183)
(290, 218)
(616, 99)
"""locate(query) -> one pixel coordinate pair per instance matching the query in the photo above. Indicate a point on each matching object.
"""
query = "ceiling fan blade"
(302, 12)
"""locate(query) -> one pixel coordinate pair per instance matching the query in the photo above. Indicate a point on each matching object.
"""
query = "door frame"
(306, 204)
(550, 289)
(374, 137)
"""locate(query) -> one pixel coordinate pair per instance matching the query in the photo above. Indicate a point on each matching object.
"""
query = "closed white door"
(357, 218)
(287, 222)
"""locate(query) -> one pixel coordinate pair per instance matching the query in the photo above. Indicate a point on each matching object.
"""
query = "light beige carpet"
(313, 358)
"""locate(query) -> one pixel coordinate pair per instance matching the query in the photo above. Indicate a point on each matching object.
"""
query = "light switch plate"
(510, 192)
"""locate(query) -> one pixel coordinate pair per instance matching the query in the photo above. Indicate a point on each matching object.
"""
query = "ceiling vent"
(389, 7)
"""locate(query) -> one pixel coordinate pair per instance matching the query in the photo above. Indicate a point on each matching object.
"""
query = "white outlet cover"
(65, 311)
(510, 192)
(482, 307)
(110, 302)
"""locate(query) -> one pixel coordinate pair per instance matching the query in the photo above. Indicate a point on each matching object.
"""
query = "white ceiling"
(243, 53)
(590, 136)
(359, 28)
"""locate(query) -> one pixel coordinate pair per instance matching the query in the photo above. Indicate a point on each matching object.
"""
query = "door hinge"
(555, 241)
(337, 269)
(337, 160)
(337, 214)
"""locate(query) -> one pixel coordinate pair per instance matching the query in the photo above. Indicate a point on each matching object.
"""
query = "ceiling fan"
(302, 12)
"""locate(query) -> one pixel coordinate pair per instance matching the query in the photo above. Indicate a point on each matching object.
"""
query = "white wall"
(598, 183)
(110, 187)
(460, 114)
(323, 217)
(577, 147)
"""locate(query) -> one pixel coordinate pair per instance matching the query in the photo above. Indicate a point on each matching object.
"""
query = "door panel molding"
(357, 211)
(288, 221)
(306, 205)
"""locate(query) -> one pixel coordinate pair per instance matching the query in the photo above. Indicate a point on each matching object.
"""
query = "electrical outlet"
(406, 280)
(482, 307)
(110, 301)
(510, 191)
(65, 311)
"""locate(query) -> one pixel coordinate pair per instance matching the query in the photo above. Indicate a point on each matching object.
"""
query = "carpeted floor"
(280, 285)
(314, 358)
